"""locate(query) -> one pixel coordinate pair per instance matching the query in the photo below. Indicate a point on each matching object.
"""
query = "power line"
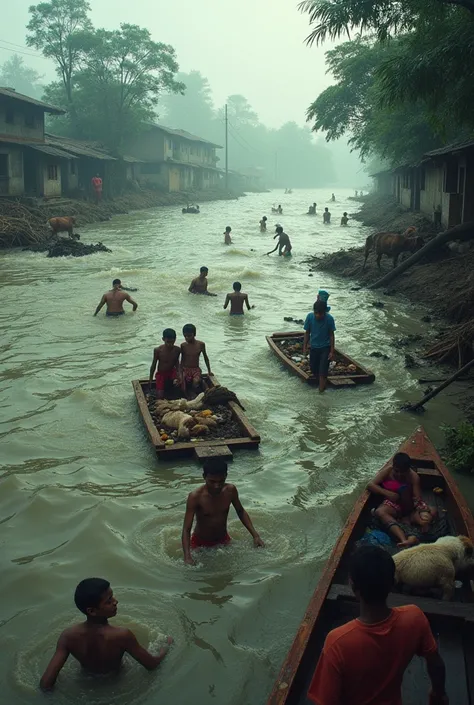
(22, 46)
(18, 51)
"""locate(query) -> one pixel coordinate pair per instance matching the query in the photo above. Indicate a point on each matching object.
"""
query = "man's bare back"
(98, 648)
(114, 299)
(237, 299)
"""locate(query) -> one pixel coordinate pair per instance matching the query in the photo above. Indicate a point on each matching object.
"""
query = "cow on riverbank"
(392, 245)
(64, 224)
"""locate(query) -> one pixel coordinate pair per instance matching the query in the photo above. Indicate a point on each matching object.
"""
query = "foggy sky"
(252, 47)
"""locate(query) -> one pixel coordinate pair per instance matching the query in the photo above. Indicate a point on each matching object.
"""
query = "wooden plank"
(203, 452)
(342, 382)
(146, 416)
(239, 415)
(287, 687)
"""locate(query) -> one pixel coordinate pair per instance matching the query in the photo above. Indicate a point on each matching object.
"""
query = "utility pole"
(226, 150)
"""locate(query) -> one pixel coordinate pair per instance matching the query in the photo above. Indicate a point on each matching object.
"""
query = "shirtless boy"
(227, 237)
(210, 504)
(166, 357)
(114, 300)
(190, 353)
(98, 646)
(263, 224)
(283, 241)
(199, 284)
(237, 299)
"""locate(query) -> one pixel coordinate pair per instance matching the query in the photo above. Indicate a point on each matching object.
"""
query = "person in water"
(312, 209)
(210, 505)
(114, 300)
(263, 224)
(333, 197)
(319, 328)
(363, 661)
(283, 241)
(237, 299)
(326, 216)
(344, 219)
(199, 284)
(400, 488)
(280, 210)
(227, 237)
(97, 645)
(191, 351)
(166, 357)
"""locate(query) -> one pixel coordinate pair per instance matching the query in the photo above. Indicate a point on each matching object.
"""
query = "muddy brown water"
(82, 493)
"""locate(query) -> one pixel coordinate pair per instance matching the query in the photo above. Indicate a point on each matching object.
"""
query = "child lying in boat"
(400, 487)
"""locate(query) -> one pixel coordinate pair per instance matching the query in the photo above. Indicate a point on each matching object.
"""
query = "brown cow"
(63, 224)
(392, 245)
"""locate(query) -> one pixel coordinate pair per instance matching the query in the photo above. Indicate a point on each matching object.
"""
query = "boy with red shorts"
(166, 357)
(190, 353)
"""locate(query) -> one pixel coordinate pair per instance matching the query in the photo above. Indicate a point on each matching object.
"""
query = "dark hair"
(236, 286)
(326, 209)
(402, 461)
(116, 281)
(320, 306)
(372, 571)
(169, 333)
(345, 213)
(228, 229)
(89, 593)
(279, 229)
(264, 217)
(204, 269)
(189, 329)
(214, 466)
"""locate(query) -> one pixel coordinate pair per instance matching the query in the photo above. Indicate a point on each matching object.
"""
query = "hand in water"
(258, 543)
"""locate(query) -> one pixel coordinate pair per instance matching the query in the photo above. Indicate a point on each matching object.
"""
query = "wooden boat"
(361, 376)
(333, 603)
(220, 448)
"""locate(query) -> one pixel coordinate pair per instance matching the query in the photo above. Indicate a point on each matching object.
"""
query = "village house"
(384, 182)
(27, 164)
(175, 160)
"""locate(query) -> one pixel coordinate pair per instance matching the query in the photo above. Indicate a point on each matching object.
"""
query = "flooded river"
(82, 493)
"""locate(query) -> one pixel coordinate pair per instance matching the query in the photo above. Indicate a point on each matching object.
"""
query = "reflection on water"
(82, 493)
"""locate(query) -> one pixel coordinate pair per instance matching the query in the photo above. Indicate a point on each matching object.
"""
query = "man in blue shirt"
(319, 329)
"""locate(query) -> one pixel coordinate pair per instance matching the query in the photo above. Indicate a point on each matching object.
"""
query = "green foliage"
(15, 74)
(459, 447)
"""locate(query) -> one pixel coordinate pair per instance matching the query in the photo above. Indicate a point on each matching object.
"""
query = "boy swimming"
(98, 646)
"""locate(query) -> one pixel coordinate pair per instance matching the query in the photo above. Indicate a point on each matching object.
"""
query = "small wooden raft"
(362, 375)
(215, 448)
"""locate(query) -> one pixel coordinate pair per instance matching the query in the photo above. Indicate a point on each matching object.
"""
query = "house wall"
(432, 195)
(150, 145)
(50, 177)
(468, 213)
(405, 197)
(14, 185)
(20, 128)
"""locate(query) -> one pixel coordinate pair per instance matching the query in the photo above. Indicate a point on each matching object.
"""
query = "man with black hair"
(114, 300)
(210, 504)
(166, 357)
(98, 646)
(191, 351)
(237, 299)
(319, 328)
(199, 284)
(283, 241)
(363, 661)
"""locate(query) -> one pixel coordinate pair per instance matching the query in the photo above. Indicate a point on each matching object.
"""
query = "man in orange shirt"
(97, 186)
(363, 662)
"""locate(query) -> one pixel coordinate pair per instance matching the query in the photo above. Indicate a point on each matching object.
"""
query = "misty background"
(252, 56)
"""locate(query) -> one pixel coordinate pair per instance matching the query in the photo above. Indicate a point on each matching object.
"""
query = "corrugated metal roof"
(449, 148)
(52, 151)
(82, 149)
(11, 93)
(184, 134)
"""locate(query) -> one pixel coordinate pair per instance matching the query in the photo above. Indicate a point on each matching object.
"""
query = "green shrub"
(459, 447)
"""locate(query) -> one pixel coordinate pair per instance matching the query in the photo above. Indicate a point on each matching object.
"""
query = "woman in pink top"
(400, 488)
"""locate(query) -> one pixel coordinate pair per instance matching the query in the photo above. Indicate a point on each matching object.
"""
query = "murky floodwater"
(82, 493)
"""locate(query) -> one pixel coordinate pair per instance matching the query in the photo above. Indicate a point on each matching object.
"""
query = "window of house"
(52, 172)
(9, 117)
(30, 120)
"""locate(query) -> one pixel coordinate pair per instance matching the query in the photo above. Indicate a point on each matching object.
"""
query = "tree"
(15, 74)
(54, 29)
(193, 109)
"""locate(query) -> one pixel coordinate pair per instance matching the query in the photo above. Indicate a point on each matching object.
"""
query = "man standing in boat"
(319, 330)
(210, 504)
(363, 661)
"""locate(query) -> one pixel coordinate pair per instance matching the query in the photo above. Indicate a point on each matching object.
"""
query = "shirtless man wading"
(237, 299)
(114, 300)
(210, 504)
(199, 284)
